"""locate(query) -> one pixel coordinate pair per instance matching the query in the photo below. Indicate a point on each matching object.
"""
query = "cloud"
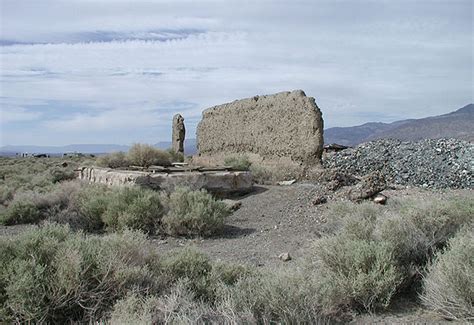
(108, 66)
(11, 114)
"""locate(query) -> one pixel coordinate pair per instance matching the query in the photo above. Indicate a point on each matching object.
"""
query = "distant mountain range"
(458, 124)
(189, 148)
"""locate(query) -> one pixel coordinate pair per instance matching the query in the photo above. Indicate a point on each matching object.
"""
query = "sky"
(116, 71)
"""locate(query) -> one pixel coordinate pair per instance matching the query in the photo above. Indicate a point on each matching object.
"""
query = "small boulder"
(319, 199)
(369, 186)
(285, 257)
(286, 183)
(380, 199)
(232, 204)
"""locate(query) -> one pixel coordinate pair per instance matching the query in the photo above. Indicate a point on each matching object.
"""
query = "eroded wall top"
(286, 124)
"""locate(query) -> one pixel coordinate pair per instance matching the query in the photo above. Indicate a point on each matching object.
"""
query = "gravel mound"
(441, 163)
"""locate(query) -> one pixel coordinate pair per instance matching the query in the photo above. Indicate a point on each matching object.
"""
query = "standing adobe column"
(179, 132)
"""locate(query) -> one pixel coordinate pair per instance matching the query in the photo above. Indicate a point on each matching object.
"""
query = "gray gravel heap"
(441, 163)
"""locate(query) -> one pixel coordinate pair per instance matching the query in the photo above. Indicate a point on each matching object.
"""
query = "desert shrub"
(21, 212)
(113, 160)
(396, 240)
(261, 175)
(6, 193)
(355, 273)
(39, 175)
(449, 283)
(32, 207)
(229, 274)
(59, 175)
(87, 203)
(238, 162)
(192, 266)
(272, 296)
(134, 208)
(179, 306)
(175, 156)
(145, 155)
(193, 213)
(416, 230)
(273, 174)
(135, 309)
(52, 275)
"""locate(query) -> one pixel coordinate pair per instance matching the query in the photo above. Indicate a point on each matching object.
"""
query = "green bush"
(32, 207)
(273, 174)
(61, 174)
(193, 213)
(6, 194)
(21, 212)
(273, 296)
(449, 283)
(87, 203)
(179, 306)
(175, 156)
(145, 155)
(192, 266)
(238, 162)
(113, 160)
(134, 208)
(356, 273)
(416, 230)
(52, 275)
(397, 239)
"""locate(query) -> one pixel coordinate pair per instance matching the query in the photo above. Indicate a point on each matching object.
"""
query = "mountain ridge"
(456, 124)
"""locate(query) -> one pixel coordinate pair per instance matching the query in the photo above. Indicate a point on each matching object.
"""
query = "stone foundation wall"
(220, 183)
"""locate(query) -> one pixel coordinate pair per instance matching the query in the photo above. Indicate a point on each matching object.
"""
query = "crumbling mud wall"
(284, 125)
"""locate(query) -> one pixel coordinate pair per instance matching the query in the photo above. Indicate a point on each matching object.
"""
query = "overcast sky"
(115, 71)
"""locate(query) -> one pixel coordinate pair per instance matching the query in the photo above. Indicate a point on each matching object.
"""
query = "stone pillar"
(179, 132)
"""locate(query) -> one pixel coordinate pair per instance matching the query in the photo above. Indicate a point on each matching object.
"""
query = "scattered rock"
(285, 257)
(319, 199)
(368, 186)
(233, 205)
(286, 183)
(380, 199)
(440, 163)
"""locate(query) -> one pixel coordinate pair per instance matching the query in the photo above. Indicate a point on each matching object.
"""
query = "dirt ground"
(279, 219)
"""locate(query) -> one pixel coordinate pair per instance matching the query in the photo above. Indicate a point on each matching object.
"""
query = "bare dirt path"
(270, 221)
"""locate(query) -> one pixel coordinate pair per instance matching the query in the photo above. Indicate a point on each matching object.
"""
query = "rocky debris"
(178, 134)
(334, 147)
(319, 199)
(286, 183)
(369, 186)
(285, 257)
(286, 125)
(233, 205)
(380, 199)
(441, 163)
(335, 180)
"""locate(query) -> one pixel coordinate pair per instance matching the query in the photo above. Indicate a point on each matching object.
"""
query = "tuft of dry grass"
(449, 282)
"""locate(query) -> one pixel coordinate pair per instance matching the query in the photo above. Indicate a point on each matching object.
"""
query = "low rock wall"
(219, 183)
